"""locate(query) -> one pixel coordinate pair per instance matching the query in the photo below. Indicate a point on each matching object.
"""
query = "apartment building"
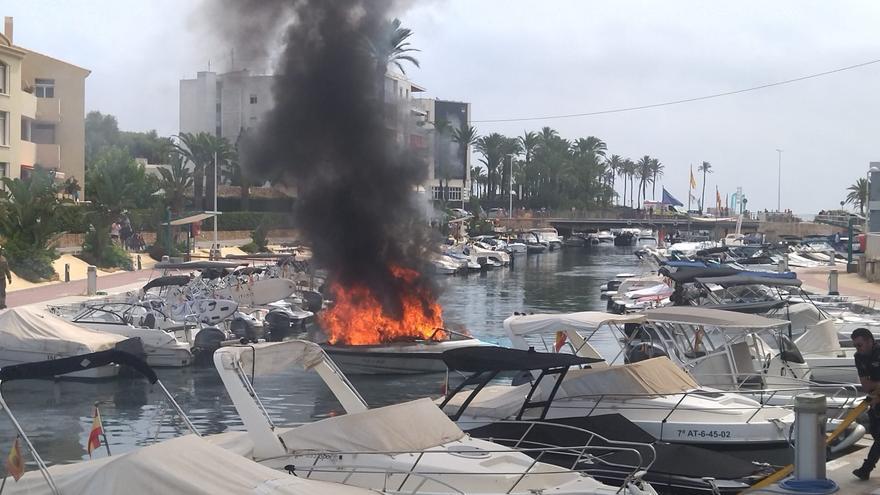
(42, 112)
(450, 163)
(224, 104)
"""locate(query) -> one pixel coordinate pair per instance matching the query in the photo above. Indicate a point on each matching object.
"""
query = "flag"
(669, 199)
(15, 462)
(693, 181)
(95, 435)
(560, 340)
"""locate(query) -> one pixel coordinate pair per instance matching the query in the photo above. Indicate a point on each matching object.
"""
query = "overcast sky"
(514, 59)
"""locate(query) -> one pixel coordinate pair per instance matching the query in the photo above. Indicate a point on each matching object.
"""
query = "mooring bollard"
(165, 259)
(832, 283)
(140, 267)
(67, 272)
(809, 432)
(92, 280)
(782, 266)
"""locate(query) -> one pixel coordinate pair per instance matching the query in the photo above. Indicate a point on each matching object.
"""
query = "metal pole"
(510, 189)
(779, 183)
(214, 244)
(849, 252)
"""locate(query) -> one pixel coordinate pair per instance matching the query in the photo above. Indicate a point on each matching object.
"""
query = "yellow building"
(42, 112)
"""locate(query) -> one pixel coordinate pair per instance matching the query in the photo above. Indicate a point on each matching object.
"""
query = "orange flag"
(560, 340)
(15, 462)
(95, 434)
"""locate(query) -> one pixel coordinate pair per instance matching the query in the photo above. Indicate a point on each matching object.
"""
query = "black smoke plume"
(329, 136)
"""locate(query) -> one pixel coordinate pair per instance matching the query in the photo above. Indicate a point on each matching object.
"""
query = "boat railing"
(533, 469)
(580, 452)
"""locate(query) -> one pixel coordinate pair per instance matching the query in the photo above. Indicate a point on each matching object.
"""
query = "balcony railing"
(49, 110)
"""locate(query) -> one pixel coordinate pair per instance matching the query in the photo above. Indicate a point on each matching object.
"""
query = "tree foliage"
(114, 183)
(858, 194)
(28, 222)
(102, 131)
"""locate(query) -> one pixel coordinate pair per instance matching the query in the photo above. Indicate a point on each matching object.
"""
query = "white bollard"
(809, 434)
(92, 280)
(832, 283)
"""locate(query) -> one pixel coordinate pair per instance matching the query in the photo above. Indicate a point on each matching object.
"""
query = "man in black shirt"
(867, 359)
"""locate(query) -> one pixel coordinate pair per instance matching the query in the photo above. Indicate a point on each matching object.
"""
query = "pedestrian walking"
(867, 359)
(5, 274)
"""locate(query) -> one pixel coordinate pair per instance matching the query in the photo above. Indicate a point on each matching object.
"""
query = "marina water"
(57, 415)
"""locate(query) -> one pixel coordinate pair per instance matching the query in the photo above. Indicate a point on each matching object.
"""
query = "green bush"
(112, 257)
(245, 220)
(72, 218)
(30, 264)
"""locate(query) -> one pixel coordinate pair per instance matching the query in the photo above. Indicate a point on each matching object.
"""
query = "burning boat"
(364, 338)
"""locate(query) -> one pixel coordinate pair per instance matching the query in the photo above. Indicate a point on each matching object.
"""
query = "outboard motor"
(314, 300)
(281, 323)
(247, 327)
(206, 341)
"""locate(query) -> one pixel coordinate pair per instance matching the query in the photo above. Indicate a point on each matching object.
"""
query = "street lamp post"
(779, 183)
(510, 188)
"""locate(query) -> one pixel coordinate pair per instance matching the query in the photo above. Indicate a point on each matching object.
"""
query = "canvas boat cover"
(820, 339)
(690, 315)
(171, 280)
(274, 357)
(687, 275)
(411, 426)
(33, 330)
(550, 323)
(657, 376)
(182, 466)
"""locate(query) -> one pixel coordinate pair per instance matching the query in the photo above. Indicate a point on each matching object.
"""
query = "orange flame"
(358, 318)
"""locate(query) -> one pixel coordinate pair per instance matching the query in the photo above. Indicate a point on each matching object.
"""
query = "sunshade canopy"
(199, 265)
(733, 280)
(171, 280)
(685, 275)
(198, 217)
(549, 323)
(490, 358)
(690, 315)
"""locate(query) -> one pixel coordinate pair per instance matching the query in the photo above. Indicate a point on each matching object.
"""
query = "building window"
(452, 193)
(43, 133)
(253, 99)
(417, 142)
(4, 69)
(4, 169)
(4, 128)
(44, 88)
(26, 172)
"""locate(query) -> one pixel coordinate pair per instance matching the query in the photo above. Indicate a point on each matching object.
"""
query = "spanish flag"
(15, 462)
(560, 340)
(95, 434)
(693, 181)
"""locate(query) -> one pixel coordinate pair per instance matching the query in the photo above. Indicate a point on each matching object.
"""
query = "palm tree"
(706, 168)
(529, 143)
(176, 179)
(629, 169)
(491, 148)
(478, 177)
(643, 170)
(590, 145)
(858, 194)
(614, 164)
(465, 137)
(200, 150)
(657, 171)
(390, 46)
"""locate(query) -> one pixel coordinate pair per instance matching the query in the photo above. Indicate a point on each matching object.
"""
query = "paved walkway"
(52, 292)
(848, 284)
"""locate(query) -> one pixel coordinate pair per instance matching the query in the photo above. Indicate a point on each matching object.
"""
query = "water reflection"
(57, 415)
